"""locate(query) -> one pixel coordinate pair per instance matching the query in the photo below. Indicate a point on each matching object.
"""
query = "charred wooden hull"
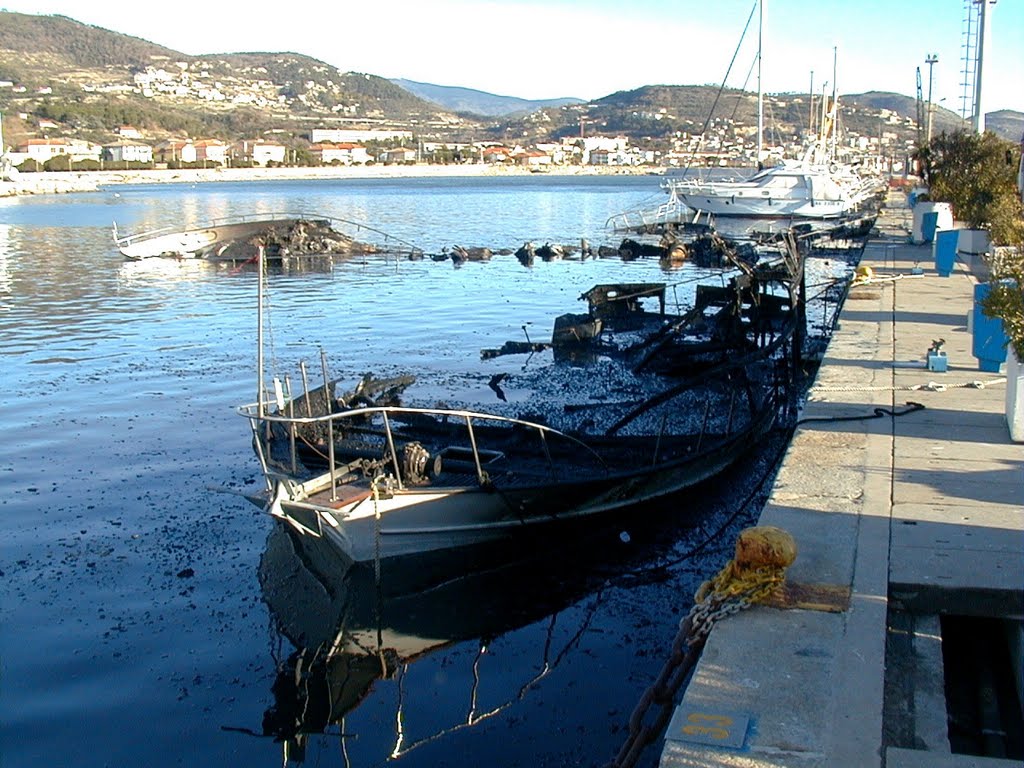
(369, 523)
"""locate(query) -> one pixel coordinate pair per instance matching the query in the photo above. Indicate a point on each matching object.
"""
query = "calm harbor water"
(149, 615)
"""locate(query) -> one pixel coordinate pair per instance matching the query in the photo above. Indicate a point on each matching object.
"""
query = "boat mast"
(835, 106)
(810, 109)
(259, 334)
(760, 92)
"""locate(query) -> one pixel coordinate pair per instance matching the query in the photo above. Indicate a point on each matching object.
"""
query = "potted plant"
(978, 176)
(1005, 301)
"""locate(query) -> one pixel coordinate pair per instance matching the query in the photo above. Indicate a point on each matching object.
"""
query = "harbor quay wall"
(907, 527)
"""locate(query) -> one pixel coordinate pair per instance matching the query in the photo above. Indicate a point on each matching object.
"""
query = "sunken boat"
(240, 238)
(637, 403)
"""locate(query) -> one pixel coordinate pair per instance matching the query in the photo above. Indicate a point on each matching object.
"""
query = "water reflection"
(352, 627)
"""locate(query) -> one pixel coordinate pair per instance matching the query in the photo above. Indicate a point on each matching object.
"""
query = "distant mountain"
(467, 100)
(1006, 123)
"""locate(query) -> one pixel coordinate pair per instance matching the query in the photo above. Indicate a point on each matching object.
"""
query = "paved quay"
(919, 518)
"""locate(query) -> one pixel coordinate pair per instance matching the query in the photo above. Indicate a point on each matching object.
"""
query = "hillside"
(1006, 123)
(90, 80)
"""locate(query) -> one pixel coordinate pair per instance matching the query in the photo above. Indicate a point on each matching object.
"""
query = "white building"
(343, 153)
(341, 136)
(128, 152)
(260, 151)
(42, 150)
(211, 151)
(175, 151)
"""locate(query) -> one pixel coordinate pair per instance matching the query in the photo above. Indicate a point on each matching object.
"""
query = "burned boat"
(636, 403)
(238, 238)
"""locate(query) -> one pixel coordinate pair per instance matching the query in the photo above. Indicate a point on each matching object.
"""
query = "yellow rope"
(759, 568)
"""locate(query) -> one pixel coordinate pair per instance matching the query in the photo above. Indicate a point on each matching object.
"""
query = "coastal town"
(354, 134)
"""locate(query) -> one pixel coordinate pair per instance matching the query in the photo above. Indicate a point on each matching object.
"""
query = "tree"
(976, 175)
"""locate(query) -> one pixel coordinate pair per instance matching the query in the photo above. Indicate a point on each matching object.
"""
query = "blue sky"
(590, 48)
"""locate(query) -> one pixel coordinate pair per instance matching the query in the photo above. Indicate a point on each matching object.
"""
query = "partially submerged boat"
(384, 474)
(238, 238)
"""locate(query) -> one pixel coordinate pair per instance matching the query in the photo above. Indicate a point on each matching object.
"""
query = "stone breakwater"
(53, 182)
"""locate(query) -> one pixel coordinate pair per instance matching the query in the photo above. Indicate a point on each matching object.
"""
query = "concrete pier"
(919, 517)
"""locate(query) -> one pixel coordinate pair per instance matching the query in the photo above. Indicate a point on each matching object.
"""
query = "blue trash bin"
(989, 340)
(944, 250)
(929, 222)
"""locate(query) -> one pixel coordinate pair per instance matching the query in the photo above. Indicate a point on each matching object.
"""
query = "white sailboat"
(816, 186)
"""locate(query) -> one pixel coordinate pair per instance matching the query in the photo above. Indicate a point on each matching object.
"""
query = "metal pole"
(259, 334)
(291, 424)
(930, 60)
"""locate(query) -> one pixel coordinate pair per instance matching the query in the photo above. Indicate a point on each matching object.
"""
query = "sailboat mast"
(810, 109)
(760, 91)
(835, 107)
(259, 334)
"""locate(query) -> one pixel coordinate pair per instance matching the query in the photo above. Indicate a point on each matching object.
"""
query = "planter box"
(944, 251)
(929, 218)
(1014, 396)
(973, 241)
(989, 340)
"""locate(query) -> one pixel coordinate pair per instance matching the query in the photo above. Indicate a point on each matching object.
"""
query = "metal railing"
(389, 454)
(246, 218)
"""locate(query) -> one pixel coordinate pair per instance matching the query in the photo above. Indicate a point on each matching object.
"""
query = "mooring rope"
(931, 386)
(877, 413)
(755, 574)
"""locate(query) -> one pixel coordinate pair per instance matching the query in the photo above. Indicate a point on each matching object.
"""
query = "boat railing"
(260, 417)
(245, 218)
(672, 211)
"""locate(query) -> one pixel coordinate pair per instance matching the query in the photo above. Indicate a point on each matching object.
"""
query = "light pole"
(930, 60)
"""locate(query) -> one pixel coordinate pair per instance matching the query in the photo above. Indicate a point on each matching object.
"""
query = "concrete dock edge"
(920, 516)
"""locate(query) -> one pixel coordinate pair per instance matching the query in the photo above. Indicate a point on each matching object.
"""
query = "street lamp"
(930, 60)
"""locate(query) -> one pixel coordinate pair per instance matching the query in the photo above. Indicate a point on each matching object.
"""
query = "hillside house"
(497, 155)
(84, 150)
(128, 152)
(48, 125)
(343, 153)
(532, 158)
(175, 151)
(211, 151)
(128, 132)
(610, 157)
(259, 151)
(399, 155)
(42, 150)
